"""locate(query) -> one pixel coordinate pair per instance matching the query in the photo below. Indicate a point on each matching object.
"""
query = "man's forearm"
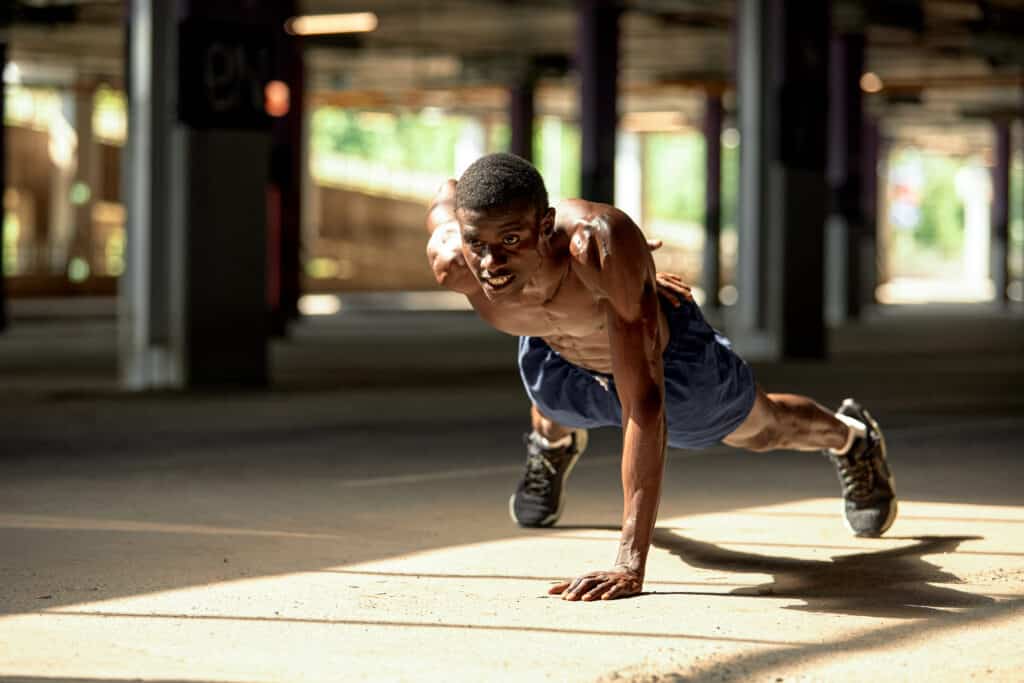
(442, 207)
(643, 464)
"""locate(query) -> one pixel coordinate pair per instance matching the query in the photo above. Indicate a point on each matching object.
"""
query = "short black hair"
(500, 181)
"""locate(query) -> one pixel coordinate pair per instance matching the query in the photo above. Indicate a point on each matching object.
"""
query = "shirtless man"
(602, 344)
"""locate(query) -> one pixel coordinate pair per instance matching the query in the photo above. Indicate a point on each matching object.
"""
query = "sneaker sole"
(550, 520)
(893, 508)
(865, 416)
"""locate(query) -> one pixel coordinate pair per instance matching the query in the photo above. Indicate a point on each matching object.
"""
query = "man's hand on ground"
(600, 586)
(673, 288)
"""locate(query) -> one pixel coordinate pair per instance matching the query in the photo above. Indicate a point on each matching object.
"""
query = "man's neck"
(545, 283)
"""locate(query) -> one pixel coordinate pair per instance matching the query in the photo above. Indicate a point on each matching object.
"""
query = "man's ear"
(546, 231)
(547, 222)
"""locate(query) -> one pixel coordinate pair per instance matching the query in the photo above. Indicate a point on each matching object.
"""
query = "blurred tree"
(941, 226)
(414, 141)
(674, 176)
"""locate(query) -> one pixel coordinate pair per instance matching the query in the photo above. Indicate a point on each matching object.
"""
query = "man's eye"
(510, 240)
(473, 244)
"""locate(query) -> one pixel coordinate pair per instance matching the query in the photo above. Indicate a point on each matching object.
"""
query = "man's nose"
(493, 257)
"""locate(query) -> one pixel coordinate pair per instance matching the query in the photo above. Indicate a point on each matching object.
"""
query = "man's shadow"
(893, 583)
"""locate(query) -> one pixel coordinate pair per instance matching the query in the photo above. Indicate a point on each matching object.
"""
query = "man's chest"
(572, 312)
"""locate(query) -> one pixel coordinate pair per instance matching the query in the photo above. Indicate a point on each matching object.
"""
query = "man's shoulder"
(596, 230)
(571, 213)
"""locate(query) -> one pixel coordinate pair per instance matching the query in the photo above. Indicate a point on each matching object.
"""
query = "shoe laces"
(540, 470)
(856, 473)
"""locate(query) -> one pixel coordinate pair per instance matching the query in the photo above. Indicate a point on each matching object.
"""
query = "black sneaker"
(539, 498)
(868, 486)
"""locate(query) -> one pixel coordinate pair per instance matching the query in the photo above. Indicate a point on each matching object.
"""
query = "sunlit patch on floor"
(759, 590)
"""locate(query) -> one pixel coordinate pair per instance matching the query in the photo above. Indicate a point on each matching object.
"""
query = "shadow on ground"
(893, 583)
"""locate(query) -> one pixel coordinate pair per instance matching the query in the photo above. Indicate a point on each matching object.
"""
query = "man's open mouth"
(498, 281)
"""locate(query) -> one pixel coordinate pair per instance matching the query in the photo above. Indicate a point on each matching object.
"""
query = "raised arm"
(613, 259)
(444, 248)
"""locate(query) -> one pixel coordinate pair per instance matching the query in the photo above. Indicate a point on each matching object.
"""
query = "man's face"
(501, 247)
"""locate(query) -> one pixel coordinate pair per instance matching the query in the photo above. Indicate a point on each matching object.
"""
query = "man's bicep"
(624, 271)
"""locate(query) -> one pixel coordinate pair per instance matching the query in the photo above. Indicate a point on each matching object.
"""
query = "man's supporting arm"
(614, 261)
(639, 379)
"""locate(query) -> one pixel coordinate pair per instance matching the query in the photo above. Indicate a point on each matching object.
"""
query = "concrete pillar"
(311, 200)
(194, 304)
(1001, 210)
(712, 265)
(3, 181)
(61, 148)
(85, 182)
(845, 175)
(883, 231)
(520, 117)
(597, 59)
(870, 155)
(782, 77)
(286, 178)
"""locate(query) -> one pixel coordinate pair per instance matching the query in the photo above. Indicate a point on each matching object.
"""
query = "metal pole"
(520, 117)
(1001, 210)
(3, 185)
(712, 198)
(598, 63)
(845, 165)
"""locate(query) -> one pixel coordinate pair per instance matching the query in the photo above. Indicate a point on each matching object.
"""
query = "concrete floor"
(351, 524)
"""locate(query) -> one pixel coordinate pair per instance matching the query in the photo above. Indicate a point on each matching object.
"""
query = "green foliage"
(674, 175)
(941, 226)
(571, 145)
(500, 137)
(413, 141)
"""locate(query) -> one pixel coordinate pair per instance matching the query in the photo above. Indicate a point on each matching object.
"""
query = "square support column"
(194, 295)
(520, 117)
(846, 233)
(870, 157)
(1000, 244)
(86, 176)
(783, 91)
(286, 177)
(597, 59)
(3, 182)
(712, 264)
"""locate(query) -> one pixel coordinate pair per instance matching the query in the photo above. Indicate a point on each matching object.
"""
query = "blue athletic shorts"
(709, 390)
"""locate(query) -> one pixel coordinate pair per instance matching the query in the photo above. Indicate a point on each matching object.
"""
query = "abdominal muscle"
(573, 324)
(592, 352)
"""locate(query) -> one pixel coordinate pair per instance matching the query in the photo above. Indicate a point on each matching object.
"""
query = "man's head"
(503, 212)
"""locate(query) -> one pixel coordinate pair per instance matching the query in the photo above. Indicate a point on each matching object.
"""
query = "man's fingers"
(615, 592)
(654, 245)
(558, 588)
(584, 584)
(599, 590)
